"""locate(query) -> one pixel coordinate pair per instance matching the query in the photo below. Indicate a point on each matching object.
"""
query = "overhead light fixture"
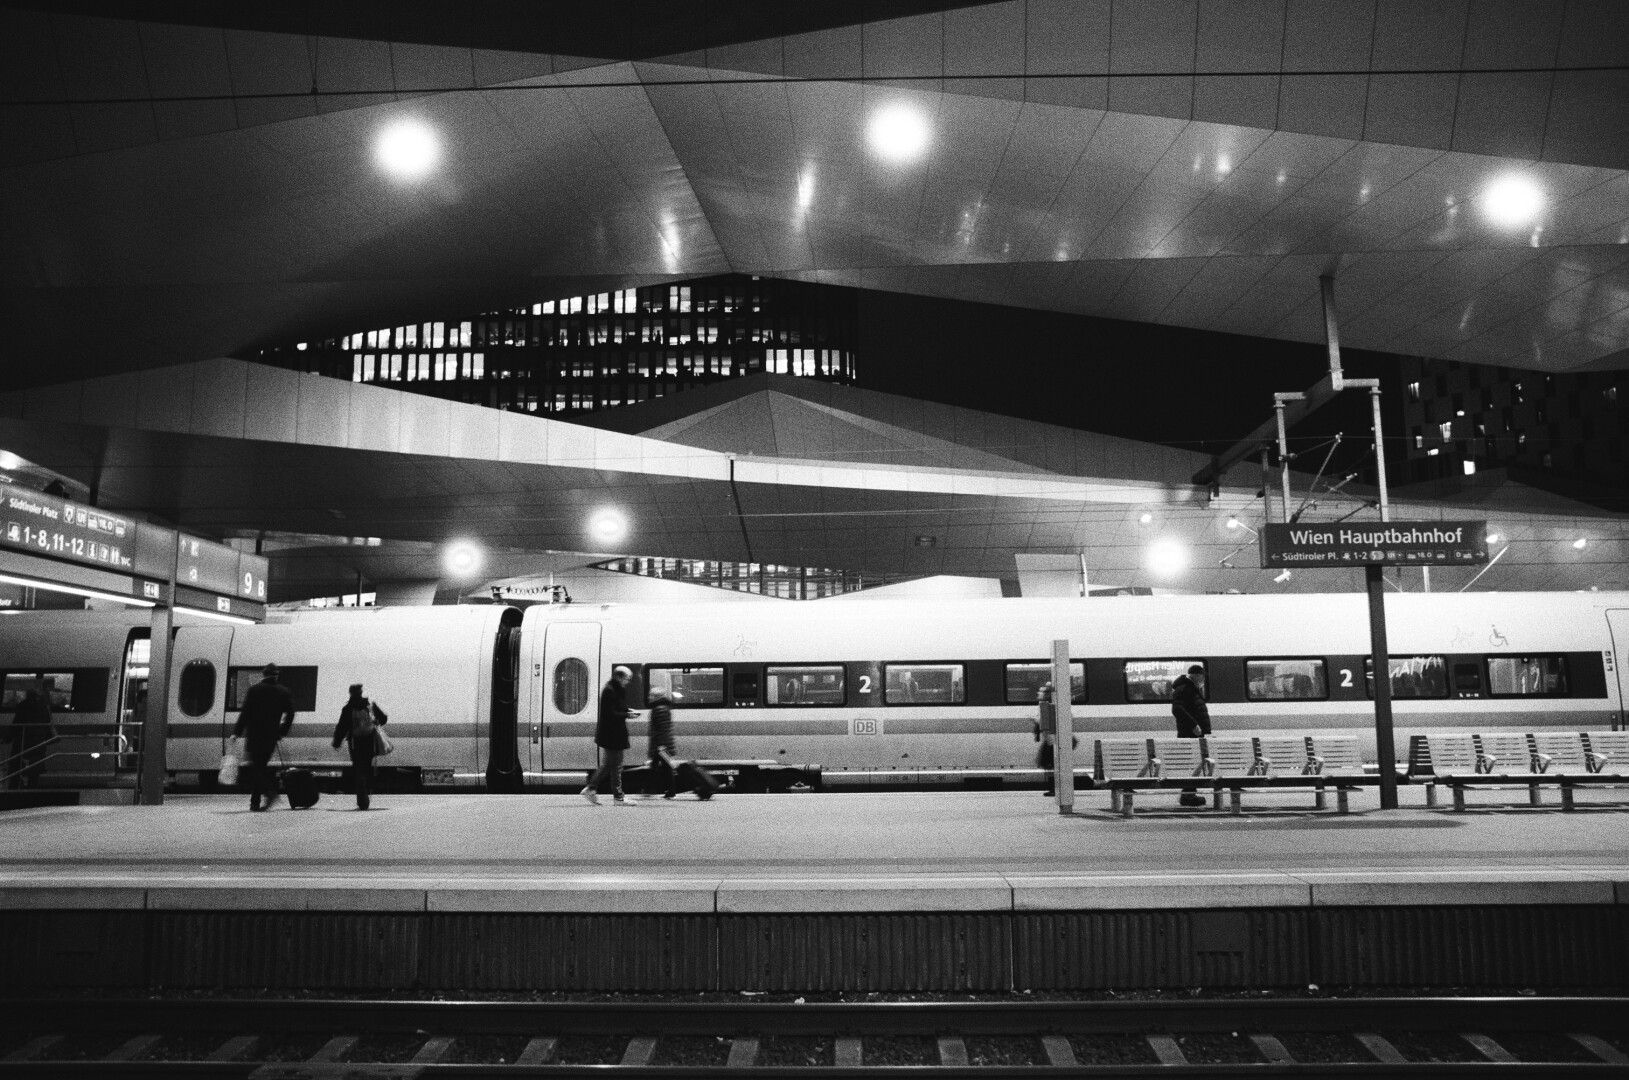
(1493, 538)
(218, 616)
(1512, 201)
(408, 149)
(73, 590)
(608, 526)
(1580, 543)
(1167, 558)
(898, 133)
(462, 558)
(1146, 518)
(1283, 576)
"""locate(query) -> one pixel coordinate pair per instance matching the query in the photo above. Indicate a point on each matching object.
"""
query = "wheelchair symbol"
(1497, 639)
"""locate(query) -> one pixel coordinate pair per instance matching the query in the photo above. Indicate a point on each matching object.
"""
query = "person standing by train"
(359, 722)
(34, 731)
(1192, 717)
(611, 736)
(661, 740)
(268, 713)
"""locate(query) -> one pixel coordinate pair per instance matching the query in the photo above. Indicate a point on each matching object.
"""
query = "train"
(829, 693)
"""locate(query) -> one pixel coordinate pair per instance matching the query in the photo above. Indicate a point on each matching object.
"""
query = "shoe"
(253, 809)
(1192, 800)
(618, 799)
(588, 793)
(670, 795)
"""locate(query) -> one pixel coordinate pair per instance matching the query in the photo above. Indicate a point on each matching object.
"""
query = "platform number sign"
(864, 725)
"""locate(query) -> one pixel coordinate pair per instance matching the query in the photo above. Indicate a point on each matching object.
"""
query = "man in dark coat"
(662, 744)
(1192, 717)
(611, 736)
(268, 713)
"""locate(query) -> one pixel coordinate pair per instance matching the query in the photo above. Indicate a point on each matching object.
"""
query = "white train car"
(891, 690)
(881, 691)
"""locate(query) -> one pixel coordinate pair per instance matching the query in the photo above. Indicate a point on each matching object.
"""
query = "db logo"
(865, 727)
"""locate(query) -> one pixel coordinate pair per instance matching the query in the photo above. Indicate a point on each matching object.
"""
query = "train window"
(687, 685)
(924, 684)
(1026, 677)
(570, 686)
(301, 683)
(804, 685)
(1527, 676)
(197, 692)
(1150, 680)
(1411, 676)
(57, 686)
(1285, 680)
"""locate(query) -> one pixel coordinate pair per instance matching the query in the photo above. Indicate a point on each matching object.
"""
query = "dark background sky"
(1195, 389)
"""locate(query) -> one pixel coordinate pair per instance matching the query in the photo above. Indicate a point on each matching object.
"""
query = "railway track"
(376, 1039)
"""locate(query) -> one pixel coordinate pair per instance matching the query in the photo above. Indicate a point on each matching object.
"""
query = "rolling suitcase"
(692, 776)
(300, 785)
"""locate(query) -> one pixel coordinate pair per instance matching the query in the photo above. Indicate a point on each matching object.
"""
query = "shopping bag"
(229, 765)
(381, 743)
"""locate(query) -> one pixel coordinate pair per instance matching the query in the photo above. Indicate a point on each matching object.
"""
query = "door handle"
(536, 737)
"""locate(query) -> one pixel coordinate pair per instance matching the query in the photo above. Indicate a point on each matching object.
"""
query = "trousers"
(261, 780)
(608, 777)
(362, 768)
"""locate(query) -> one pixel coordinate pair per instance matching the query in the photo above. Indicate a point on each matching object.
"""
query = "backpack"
(362, 721)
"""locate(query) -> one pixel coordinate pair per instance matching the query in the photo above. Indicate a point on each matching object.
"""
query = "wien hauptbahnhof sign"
(1375, 543)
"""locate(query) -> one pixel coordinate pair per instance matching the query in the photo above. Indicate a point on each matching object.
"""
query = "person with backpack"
(268, 713)
(360, 722)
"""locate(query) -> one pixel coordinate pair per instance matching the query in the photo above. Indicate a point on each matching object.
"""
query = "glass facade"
(764, 579)
(573, 355)
(1545, 428)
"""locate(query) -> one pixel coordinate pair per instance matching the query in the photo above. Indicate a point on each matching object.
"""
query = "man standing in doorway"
(611, 736)
(1192, 717)
(268, 713)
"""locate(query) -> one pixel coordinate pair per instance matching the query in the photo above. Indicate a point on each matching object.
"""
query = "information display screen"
(58, 529)
(252, 574)
(206, 565)
(1375, 543)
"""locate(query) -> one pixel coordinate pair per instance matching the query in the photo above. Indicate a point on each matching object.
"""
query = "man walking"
(611, 736)
(268, 713)
(1192, 717)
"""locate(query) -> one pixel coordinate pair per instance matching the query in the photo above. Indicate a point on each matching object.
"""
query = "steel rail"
(645, 1023)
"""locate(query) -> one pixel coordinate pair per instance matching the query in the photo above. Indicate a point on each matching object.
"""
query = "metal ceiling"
(175, 192)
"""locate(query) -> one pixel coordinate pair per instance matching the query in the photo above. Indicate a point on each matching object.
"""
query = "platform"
(706, 884)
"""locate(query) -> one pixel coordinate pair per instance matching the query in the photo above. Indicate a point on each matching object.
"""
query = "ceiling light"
(1146, 518)
(608, 526)
(1580, 543)
(1233, 523)
(72, 590)
(1283, 576)
(898, 132)
(1493, 538)
(408, 149)
(462, 558)
(1168, 558)
(1512, 201)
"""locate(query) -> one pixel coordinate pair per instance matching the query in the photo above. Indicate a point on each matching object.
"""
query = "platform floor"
(810, 852)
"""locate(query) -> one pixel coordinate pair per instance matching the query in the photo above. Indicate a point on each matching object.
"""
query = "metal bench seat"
(1566, 760)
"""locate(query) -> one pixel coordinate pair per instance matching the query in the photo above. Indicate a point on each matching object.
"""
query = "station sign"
(56, 528)
(1374, 543)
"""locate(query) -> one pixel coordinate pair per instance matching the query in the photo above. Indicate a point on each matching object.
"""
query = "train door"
(571, 664)
(1617, 621)
(132, 701)
(199, 669)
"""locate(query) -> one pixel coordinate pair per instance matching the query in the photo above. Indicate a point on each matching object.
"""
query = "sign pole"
(1063, 748)
(155, 726)
(1385, 747)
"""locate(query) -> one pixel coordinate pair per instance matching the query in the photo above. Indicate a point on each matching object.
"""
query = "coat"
(661, 729)
(611, 731)
(268, 713)
(1189, 708)
(342, 730)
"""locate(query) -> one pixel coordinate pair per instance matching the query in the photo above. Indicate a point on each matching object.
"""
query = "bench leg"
(1340, 800)
(1114, 800)
(1533, 796)
(1320, 800)
(1566, 796)
(1216, 799)
(1430, 793)
(1236, 797)
(1125, 804)
(1459, 798)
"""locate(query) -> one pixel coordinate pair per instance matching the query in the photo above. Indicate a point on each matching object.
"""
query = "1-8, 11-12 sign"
(58, 529)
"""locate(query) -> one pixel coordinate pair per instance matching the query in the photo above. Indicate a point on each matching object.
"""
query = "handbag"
(382, 745)
(230, 760)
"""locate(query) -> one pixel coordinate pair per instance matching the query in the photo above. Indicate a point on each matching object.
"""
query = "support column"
(1063, 750)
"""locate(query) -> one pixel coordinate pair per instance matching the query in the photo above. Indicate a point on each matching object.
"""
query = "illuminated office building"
(573, 355)
(1564, 432)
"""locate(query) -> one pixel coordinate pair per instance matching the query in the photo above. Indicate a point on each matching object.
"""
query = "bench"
(1566, 760)
(1229, 765)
